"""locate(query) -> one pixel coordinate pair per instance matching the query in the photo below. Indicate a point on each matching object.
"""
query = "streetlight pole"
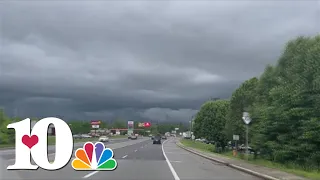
(246, 118)
(247, 144)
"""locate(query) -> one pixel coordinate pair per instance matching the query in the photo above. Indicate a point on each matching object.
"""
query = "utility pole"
(191, 123)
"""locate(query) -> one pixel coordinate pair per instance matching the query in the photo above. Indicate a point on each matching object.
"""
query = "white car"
(103, 139)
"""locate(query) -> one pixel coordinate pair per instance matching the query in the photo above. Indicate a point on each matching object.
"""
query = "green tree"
(284, 106)
(286, 110)
(80, 127)
(7, 136)
(210, 121)
(198, 125)
(120, 123)
(165, 127)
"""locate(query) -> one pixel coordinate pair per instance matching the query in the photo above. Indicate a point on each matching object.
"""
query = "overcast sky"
(138, 60)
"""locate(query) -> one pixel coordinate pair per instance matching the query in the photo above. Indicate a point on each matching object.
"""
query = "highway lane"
(149, 162)
(10, 153)
(142, 160)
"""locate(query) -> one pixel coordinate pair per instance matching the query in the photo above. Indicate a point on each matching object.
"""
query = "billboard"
(95, 122)
(147, 124)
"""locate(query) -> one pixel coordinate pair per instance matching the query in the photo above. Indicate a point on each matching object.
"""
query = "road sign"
(177, 129)
(236, 137)
(95, 126)
(246, 117)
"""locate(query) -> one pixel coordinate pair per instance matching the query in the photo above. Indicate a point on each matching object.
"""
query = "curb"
(263, 176)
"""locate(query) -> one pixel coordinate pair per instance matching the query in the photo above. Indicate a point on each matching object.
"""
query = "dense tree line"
(83, 127)
(284, 104)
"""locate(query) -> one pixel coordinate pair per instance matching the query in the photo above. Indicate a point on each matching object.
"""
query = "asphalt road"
(142, 160)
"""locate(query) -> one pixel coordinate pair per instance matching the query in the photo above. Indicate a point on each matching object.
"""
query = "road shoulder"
(259, 171)
(190, 166)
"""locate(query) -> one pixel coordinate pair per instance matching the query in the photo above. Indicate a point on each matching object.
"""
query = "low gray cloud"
(138, 59)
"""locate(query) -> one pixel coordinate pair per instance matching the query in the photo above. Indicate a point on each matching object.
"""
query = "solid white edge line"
(125, 156)
(90, 174)
(174, 173)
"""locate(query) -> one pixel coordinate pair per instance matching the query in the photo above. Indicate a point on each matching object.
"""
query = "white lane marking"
(174, 173)
(135, 150)
(176, 161)
(90, 174)
(125, 156)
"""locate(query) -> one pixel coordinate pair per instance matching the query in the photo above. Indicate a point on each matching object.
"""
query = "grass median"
(52, 141)
(292, 168)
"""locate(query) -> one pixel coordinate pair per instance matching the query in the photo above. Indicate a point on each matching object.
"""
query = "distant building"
(51, 129)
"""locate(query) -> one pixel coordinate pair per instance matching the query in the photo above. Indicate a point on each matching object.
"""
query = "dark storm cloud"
(96, 59)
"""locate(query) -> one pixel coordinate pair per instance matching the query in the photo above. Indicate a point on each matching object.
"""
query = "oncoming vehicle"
(157, 139)
(103, 139)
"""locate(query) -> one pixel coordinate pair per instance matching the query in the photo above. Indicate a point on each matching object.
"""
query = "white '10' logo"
(35, 144)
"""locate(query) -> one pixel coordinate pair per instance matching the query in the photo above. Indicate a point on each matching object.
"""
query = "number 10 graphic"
(35, 144)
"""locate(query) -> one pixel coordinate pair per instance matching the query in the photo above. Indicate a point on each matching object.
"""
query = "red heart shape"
(30, 141)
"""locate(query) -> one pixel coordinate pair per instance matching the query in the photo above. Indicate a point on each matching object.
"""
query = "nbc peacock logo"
(94, 157)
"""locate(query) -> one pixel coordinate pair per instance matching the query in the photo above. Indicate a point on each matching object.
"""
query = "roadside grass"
(290, 168)
(198, 145)
(52, 140)
(6, 145)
